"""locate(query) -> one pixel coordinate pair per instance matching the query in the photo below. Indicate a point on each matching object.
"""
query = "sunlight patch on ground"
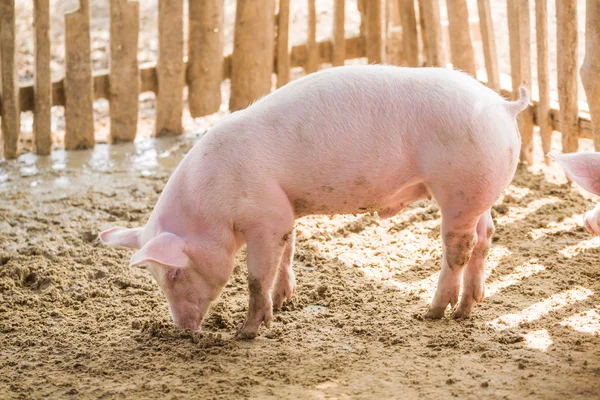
(538, 340)
(567, 224)
(538, 310)
(576, 249)
(496, 254)
(586, 322)
(519, 273)
(520, 213)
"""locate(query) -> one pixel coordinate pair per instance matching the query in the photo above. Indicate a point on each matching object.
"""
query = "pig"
(584, 169)
(345, 140)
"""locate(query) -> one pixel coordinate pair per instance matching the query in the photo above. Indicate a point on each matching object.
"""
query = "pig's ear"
(583, 168)
(122, 237)
(166, 249)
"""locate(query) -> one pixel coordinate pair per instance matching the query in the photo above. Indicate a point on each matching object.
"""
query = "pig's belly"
(339, 199)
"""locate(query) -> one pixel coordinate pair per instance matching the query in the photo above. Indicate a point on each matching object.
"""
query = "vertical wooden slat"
(543, 72)
(205, 54)
(520, 68)
(283, 43)
(566, 35)
(488, 40)
(362, 9)
(375, 32)
(313, 49)
(42, 116)
(339, 41)
(124, 75)
(410, 40)
(10, 83)
(393, 39)
(170, 69)
(590, 70)
(433, 30)
(461, 46)
(252, 57)
(79, 96)
(423, 29)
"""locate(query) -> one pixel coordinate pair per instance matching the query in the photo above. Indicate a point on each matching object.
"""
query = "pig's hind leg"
(458, 238)
(474, 274)
(285, 285)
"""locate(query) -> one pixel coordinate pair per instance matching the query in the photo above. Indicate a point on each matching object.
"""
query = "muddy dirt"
(76, 322)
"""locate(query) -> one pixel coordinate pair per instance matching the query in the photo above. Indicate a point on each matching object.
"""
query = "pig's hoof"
(435, 313)
(246, 335)
(282, 292)
(460, 314)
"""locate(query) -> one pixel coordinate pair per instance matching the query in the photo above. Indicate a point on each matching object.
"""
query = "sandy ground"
(76, 322)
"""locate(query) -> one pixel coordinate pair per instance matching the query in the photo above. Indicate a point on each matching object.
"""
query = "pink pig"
(584, 169)
(344, 140)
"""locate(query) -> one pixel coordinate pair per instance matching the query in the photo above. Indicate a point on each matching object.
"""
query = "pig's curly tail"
(522, 103)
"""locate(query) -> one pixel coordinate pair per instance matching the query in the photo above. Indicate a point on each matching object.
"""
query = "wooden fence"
(405, 32)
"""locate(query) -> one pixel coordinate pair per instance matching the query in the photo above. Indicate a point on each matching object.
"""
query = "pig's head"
(189, 286)
(584, 169)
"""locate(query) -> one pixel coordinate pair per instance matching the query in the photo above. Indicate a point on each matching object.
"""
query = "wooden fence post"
(543, 70)
(410, 40)
(252, 57)
(566, 57)
(520, 68)
(42, 116)
(283, 43)
(394, 48)
(312, 64)
(590, 70)
(375, 32)
(433, 32)
(11, 122)
(170, 69)
(362, 9)
(124, 74)
(79, 91)
(461, 46)
(488, 40)
(339, 38)
(205, 54)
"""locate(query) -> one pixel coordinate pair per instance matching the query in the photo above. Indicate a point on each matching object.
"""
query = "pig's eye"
(174, 273)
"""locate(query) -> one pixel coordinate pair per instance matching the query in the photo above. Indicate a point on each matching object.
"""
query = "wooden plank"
(488, 40)
(543, 71)
(423, 33)
(410, 40)
(339, 41)
(42, 116)
(362, 10)
(124, 76)
(433, 32)
(252, 57)
(375, 32)
(79, 107)
(590, 70)
(566, 60)
(461, 46)
(170, 69)
(205, 52)
(283, 43)
(393, 34)
(11, 122)
(313, 55)
(520, 68)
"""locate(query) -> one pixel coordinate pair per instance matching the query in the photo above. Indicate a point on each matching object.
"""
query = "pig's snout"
(590, 220)
(187, 317)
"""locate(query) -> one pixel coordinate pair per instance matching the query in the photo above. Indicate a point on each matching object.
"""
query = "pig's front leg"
(458, 237)
(266, 246)
(474, 275)
(285, 285)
